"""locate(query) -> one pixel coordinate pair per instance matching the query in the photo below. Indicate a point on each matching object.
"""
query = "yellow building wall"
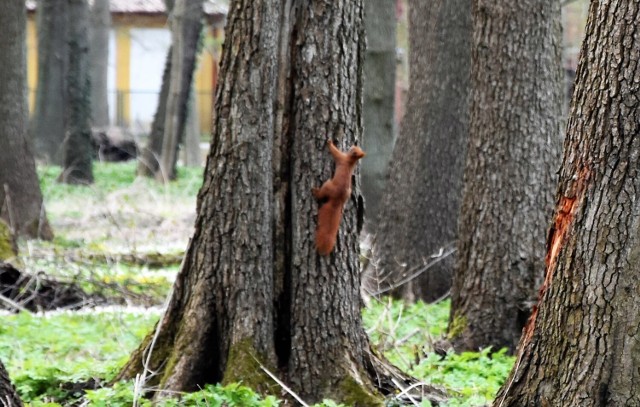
(204, 84)
(123, 76)
(204, 81)
(32, 61)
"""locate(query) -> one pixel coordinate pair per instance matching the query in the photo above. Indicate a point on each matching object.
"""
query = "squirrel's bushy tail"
(329, 216)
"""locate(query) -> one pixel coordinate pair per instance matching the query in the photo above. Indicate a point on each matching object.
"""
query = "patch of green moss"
(358, 395)
(8, 248)
(244, 365)
(457, 326)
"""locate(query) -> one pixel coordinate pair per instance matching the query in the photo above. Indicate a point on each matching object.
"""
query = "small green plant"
(42, 351)
(405, 333)
(233, 395)
(123, 215)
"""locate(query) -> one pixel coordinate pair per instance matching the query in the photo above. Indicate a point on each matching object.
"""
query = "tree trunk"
(77, 143)
(192, 156)
(149, 164)
(378, 107)
(99, 61)
(516, 105)
(581, 346)
(252, 290)
(47, 128)
(20, 197)
(420, 205)
(186, 25)
(8, 395)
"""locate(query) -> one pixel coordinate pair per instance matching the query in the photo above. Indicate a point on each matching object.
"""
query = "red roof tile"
(211, 7)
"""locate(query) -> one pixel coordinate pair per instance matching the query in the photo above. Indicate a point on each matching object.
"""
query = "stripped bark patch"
(557, 235)
(556, 240)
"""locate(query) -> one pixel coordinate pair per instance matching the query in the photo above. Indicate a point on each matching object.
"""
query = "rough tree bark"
(77, 161)
(420, 204)
(21, 203)
(515, 138)
(580, 348)
(378, 104)
(8, 395)
(98, 61)
(47, 127)
(252, 289)
(186, 26)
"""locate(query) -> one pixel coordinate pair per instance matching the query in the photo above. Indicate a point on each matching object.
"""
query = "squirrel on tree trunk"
(332, 196)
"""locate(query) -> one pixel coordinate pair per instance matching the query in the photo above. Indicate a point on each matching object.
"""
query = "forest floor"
(122, 239)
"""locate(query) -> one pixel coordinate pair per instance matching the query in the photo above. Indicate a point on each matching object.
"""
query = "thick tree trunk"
(328, 346)
(378, 105)
(420, 205)
(513, 155)
(186, 25)
(252, 291)
(581, 347)
(8, 395)
(47, 127)
(77, 143)
(98, 61)
(149, 162)
(20, 197)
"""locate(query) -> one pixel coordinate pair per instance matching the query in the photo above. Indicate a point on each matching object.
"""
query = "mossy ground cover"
(119, 215)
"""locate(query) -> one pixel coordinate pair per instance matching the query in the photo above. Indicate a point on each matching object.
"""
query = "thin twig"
(13, 304)
(281, 383)
(417, 273)
(403, 390)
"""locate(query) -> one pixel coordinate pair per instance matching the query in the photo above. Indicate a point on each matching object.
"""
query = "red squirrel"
(332, 196)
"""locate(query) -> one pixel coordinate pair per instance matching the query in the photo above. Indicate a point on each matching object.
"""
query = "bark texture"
(420, 205)
(186, 25)
(8, 395)
(20, 197)
(515, 138)
(99, 61)
(378, 104)
(78, 153)
(581, 346)
(252, 289)
(47, 127)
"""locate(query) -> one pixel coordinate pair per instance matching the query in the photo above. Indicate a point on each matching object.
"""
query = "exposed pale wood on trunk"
(581, 346)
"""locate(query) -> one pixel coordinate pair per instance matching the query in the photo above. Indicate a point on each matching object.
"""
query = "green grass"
(111, 177)
(405, 334)
(42, 352)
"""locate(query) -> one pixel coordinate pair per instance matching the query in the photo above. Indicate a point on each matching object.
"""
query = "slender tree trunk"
(252, 291)
(148, 164)
(516, 88)
(192, 157)
(378, 107)
(580, 348)
(186, 25)
(47, 128)
(420, 206)
(77, 143)
(99, 61)
(8, 395)
(21, 203)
